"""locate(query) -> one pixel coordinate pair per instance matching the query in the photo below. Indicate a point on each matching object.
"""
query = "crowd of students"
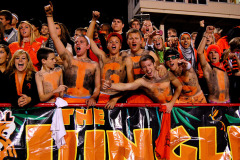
(102, 64)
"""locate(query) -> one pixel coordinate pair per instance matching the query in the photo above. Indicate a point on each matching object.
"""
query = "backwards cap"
(115, 34)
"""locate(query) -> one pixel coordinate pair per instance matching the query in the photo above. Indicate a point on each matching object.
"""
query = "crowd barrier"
(129, 131)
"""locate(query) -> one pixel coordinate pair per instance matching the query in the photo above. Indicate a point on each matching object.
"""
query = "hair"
(173, 30)
(43, 53)
(1, 32)
(134, 20)
(133, 30)
(118, 17)
(7, 14)
(32, 35)
(85, 37)
(6, 48)
(145, 58)
(80, 29)
(45, 24)
(171, 51)
(234, 43)
(65, 36)
(147, 20)
(37, 23)
(11, 68)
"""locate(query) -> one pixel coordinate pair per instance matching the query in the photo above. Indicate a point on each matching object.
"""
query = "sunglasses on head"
(172, 57)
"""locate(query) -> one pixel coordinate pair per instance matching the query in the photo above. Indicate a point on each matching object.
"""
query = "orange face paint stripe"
(19, 85)
(221, 84)
(111, 66)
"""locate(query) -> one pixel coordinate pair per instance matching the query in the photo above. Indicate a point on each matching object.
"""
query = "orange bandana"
(19, 85)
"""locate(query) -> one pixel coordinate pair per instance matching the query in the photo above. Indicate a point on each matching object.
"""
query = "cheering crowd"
(103, 64)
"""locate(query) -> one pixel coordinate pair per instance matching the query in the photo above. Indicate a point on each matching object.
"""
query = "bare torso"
(79, 77)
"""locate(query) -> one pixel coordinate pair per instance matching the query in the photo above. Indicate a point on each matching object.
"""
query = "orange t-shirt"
(223, 44)
(41, 39)
(31, 49)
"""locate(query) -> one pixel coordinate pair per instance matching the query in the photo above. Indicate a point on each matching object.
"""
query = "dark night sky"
(71, 12)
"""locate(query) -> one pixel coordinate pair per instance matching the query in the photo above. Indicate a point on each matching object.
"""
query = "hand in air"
(49, 9)
(210, 29)
(95, 15)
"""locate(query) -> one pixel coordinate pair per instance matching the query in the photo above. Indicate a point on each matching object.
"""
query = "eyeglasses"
(172, 57)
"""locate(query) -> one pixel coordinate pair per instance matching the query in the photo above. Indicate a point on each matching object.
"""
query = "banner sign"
(119, 134)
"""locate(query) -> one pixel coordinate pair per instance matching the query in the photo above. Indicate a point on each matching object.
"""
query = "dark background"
(72, 13)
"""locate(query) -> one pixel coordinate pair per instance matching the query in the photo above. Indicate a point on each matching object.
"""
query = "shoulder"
(14, 44)
(126, 52)
(57, 69)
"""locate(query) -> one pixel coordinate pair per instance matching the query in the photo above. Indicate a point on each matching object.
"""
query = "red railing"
(132, 105)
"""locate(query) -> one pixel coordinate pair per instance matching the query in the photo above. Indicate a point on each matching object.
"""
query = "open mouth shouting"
(114, 47)
(20, 66)
(78, 48)
(149, 73)
(158, 45)
(134, 45)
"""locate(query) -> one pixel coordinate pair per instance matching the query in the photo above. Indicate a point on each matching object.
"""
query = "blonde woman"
(22, 86)
(26, 41)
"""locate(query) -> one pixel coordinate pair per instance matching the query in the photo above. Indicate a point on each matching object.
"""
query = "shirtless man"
(191, 90)
(134, 40)
(115, 67)
(49, 79)
(159, 89)
(214, 72)
(81, 75)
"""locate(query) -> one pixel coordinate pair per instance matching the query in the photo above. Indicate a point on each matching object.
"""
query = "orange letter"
(66, 115)
(99, 116)
(120, 147)
(177, 137)
(39, 142)
(81, 116)
(69, 150)
(234, 140)
(208, 144)
(94, 145)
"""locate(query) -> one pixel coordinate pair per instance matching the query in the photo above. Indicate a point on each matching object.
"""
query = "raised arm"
(62, 51)
(98, 52)
(204, 64)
